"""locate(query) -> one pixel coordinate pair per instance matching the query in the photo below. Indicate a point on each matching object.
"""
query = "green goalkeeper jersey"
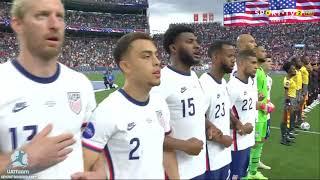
(262, 88)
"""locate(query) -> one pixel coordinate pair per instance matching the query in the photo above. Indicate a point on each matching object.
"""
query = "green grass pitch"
(300, 161)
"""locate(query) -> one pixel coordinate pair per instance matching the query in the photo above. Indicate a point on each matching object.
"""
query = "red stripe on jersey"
(91, 147)
(109, 161)
(84, 125)
(235, 112)
(235, 146)
(166, 177)
(207, 159)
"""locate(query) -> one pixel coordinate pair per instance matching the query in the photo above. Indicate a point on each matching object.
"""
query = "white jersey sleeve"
(269, 85)
(100, 128)
(92, 104)
(165, 121)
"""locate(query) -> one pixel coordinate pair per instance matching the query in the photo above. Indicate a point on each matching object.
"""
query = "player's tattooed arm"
(170, 164)
(192, 146)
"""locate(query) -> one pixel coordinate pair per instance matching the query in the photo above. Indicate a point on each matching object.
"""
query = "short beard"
(186, 58)
(226, 69)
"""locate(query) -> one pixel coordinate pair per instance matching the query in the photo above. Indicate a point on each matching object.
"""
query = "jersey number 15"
(188, 106)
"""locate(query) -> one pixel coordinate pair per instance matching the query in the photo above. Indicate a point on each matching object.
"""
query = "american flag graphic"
(263, 12)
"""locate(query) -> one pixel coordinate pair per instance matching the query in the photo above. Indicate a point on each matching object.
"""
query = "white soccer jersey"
(185, 98)
(243, 104)
(234, 70)
(29, 103)
(256, 94)
(132, 135)
(269, 85)
(219, 114)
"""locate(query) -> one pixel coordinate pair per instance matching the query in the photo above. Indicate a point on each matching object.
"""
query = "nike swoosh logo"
(19, 109)
(131, 127)
(183, 90)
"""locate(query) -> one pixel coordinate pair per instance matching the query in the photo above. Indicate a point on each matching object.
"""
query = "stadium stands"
(279, 40)
(85, 52)
(143, 2)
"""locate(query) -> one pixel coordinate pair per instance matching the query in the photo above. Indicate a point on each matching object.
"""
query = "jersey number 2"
(13, 131)
(131, 155)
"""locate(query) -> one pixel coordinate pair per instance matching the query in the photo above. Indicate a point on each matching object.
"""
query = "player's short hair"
(124, 43)
(19, 8)
(268, 56)
(245, 54)
(286, 66)
(293, 59)
(172, 33)
(217, 45)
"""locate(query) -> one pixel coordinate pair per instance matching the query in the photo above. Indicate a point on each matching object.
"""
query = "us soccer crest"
(160, 117)
(74, 100)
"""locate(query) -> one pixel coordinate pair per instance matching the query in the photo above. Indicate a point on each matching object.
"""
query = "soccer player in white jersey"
(130, 125)
(43, 103)
(243, 101)
(222, 54)
(185, 97)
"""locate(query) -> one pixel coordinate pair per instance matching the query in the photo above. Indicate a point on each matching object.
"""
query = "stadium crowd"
(97, 51)
(140, 2)
(78, 52)
(4, 11)
(106, 20)
(279, 40)
(92, 19)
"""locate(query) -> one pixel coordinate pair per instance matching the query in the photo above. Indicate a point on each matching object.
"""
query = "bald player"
(244, 42)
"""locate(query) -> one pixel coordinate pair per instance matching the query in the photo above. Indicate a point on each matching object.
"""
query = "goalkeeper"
(264, 107)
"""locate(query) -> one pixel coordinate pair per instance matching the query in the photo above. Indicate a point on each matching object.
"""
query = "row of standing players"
(161, 120)
(297, 91)
(205, 126)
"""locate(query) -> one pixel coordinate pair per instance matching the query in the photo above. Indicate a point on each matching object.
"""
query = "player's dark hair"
(124, 43)
(245, 54)
(286, 66)
(217, 45)
(172, 33)
(261, 60)
(304, 59)
(293, 59)
(268, 56)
